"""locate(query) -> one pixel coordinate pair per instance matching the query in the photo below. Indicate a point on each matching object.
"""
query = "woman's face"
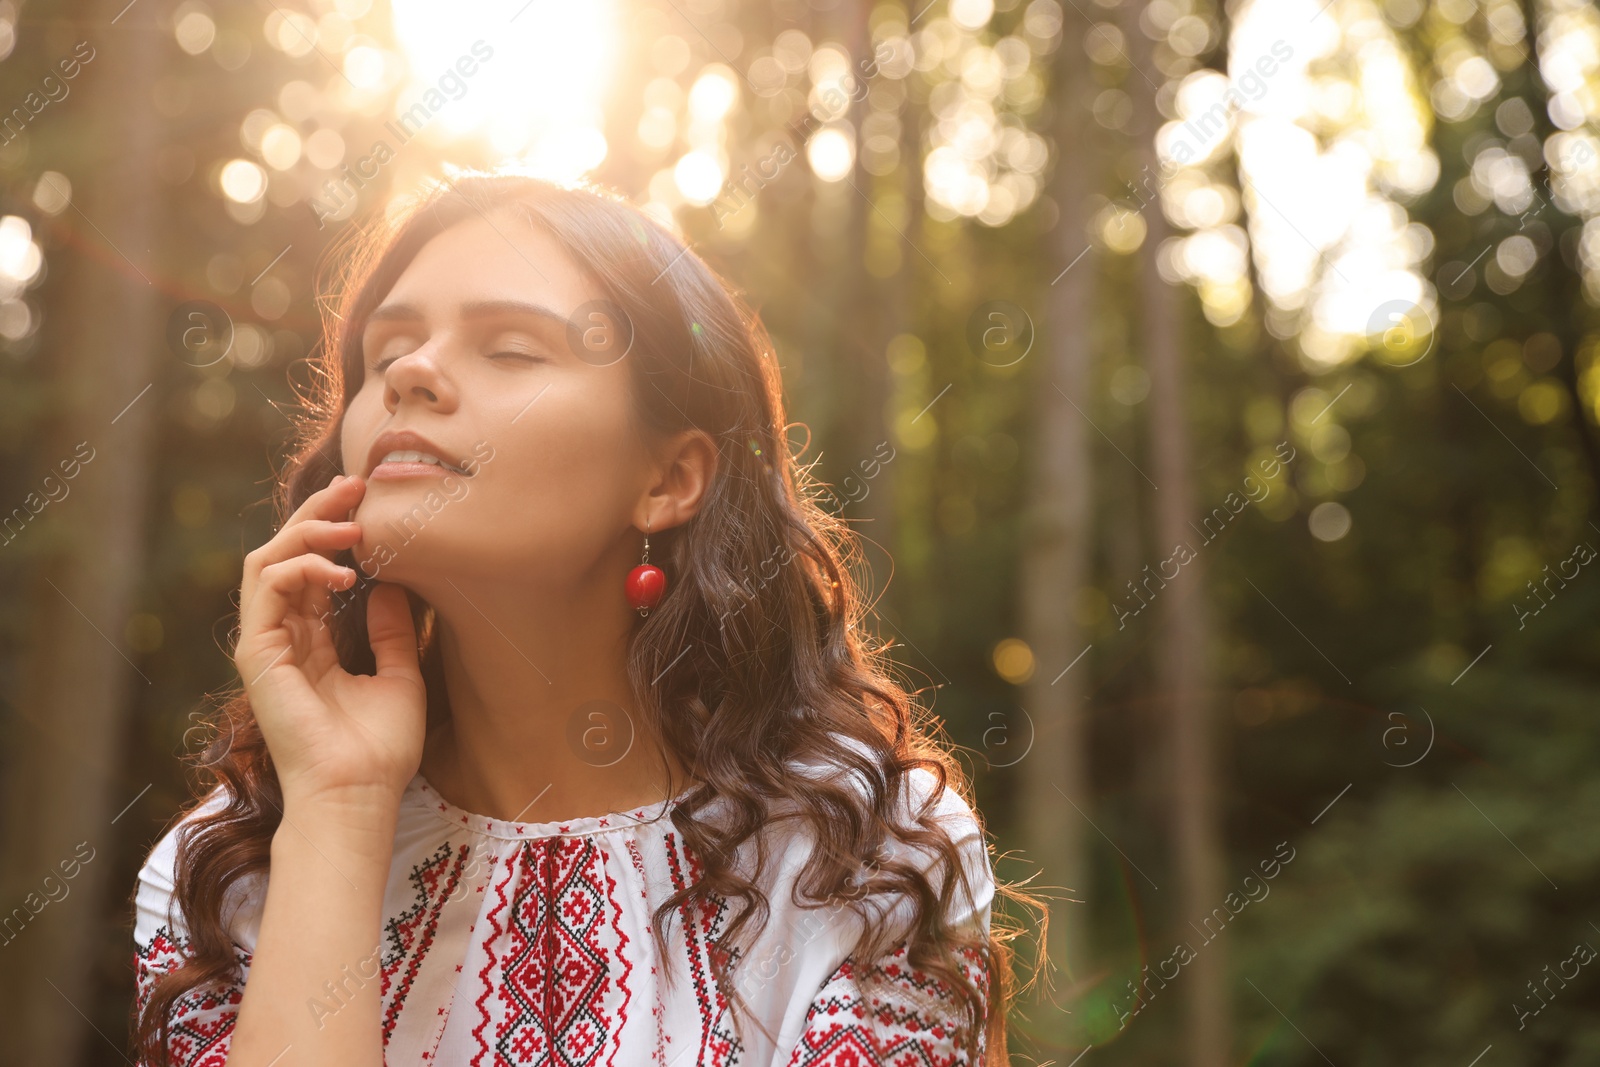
(470, 352)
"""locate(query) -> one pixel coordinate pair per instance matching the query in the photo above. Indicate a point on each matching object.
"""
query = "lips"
(405, 454)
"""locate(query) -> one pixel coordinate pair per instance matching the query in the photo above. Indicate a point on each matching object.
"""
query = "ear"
(685, 465)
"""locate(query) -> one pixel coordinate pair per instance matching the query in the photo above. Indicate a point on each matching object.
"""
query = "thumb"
(391, 632)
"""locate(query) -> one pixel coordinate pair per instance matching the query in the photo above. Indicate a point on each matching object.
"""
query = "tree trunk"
(1183, 673)
(65, 792)
(890, 307)
(1566, 308)
(1057, 533)
(875, 306)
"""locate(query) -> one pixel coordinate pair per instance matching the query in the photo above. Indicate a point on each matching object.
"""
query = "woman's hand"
(336, 738)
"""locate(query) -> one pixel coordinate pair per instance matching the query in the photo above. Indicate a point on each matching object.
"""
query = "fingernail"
(337, 478)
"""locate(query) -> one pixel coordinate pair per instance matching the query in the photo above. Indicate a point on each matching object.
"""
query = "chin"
(394, 547)
(429, 561)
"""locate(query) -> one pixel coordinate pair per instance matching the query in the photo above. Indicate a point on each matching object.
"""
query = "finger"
(332, 501)
(321, 653)
(323, 536)
(276, 596)
(314, 601)
(283, 585)
(391, 632)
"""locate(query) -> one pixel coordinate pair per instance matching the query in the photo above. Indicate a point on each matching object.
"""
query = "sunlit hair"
(778, 673)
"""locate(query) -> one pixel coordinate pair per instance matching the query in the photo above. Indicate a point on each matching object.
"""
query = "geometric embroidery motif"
(893, 1015)
(200, 1023)
(411, 932)
(703, 916)
(555, 998)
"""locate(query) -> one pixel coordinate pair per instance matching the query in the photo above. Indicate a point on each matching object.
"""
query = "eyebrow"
(474, 309)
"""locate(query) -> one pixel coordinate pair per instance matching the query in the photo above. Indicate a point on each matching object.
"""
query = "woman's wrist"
(346, 805)
(360, 826)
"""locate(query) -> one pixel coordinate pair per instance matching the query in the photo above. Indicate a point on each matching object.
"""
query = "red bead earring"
(646, 583)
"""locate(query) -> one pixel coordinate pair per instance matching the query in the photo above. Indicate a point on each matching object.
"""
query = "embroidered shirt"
(530, 943)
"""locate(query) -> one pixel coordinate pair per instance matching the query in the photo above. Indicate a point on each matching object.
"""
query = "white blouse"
(530, 943)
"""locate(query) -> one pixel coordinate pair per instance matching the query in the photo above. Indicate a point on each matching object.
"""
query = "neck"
(544, 724)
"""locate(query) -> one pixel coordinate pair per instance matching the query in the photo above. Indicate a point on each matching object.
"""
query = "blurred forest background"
(1272, 317)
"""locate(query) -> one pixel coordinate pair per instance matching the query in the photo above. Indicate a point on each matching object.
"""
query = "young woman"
(558, 733)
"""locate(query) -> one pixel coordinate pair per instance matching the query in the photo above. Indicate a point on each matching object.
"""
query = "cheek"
(578, 435)
(559, 489)
(359, 427)
(573, 469)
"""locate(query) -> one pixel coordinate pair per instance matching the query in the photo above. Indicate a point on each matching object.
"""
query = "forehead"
(491, 258)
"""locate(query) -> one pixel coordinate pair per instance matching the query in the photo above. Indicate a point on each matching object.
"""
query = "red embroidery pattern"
(898, 1016)
(200, 1023)
(411, 932)
(622, 944)
(702, 917)
(554, 988)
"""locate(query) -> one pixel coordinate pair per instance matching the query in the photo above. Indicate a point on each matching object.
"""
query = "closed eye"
(525, 357)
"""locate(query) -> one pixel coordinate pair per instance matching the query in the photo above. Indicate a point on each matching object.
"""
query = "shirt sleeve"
(888, 1014)
(885, 1011)
(970, 903)
(200, 1023)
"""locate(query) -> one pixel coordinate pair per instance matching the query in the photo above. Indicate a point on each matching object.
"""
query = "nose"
(418, 377)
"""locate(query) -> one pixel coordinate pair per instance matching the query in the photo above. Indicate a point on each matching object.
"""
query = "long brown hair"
(778, 669)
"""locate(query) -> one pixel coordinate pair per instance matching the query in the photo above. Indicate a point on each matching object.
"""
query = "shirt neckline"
(426, 796)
